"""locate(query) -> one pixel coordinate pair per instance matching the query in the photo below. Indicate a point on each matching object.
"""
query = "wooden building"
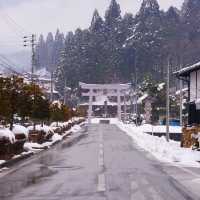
(191, 131)
(191, 75)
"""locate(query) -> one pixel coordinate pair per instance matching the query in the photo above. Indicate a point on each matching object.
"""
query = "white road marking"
(101, 187)
(101, 161)
(101, 152)
(101, 183)
(154, 194)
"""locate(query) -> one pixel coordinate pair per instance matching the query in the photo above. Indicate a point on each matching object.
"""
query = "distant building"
(45, 84)
(191, 75)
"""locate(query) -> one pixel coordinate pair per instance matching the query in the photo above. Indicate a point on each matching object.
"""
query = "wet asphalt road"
(104, 165)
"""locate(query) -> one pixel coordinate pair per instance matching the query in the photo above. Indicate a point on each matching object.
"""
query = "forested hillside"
(113, 45)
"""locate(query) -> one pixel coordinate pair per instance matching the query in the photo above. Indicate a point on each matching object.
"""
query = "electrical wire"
(12, 24)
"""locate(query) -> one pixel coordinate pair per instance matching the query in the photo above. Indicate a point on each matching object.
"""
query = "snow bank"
(18, 129)
(6, 133)
(59, 124)
(56, 137)
(75, 128)
(147, 128)
(160, 148)
(34, 147)
(2, 161)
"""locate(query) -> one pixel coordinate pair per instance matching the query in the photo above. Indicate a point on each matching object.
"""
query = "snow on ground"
(160, 148)
(34, 147)
(75, 129)
(18, 129)
(2, 161)
(56, 137)
(148, 128)
(170, 152)
(6, 133)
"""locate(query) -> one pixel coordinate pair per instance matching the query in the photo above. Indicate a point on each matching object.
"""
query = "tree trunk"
(11, 122)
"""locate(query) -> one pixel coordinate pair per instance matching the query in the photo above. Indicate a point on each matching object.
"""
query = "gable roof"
(187, 70)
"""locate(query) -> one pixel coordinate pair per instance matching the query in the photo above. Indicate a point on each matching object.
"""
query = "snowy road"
(104, 165)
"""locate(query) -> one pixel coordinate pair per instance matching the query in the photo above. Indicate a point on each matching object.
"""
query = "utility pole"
(125, 108)
(167, 102)
(31, 41)
(33, 57)
(181, 96)
(51, 97)
(136, 105)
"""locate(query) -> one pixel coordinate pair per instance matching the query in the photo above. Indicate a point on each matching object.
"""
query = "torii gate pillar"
(90, 107)
(119, 111)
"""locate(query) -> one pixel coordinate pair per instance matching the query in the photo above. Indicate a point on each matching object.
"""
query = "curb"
(69, 143)
(16, 160)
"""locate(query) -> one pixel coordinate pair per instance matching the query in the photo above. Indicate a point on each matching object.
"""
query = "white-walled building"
(191, 75)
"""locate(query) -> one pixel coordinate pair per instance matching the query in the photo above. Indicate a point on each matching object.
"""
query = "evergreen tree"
(50, 51)
(41, 53)
(57, 48)
(191, 28)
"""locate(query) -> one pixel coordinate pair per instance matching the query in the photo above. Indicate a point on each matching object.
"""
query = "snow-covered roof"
(187, 70)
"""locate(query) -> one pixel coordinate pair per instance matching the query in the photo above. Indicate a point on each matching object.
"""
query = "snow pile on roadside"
(59, 124)
(6, 133)
(148, 128)
(75, 129)
(160, 148)
(56, 137)
(2, 161)
(34, 147)
(18, 129)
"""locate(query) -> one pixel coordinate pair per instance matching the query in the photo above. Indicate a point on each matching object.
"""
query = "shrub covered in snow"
(18, 129)
(6, 134)
(46, 129)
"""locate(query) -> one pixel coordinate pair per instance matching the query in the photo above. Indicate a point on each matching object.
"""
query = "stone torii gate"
(114, 90)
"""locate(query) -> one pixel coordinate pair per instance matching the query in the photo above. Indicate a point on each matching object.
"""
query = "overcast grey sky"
(42, 16)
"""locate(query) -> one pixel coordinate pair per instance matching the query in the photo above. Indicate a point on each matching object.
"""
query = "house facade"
(191, 75)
